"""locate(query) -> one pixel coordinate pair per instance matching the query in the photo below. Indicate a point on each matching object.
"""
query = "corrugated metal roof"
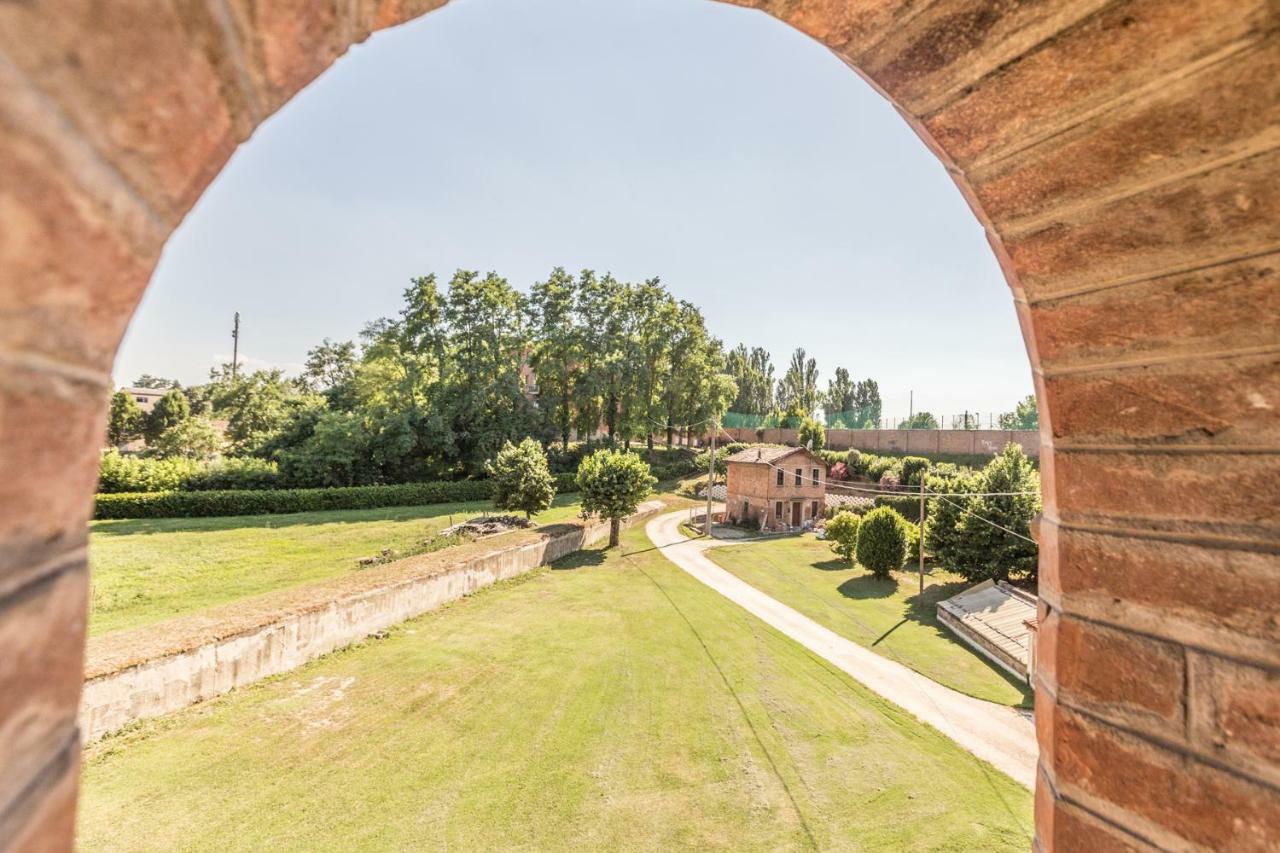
(997, 614)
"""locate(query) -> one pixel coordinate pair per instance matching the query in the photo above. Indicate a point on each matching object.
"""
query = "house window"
(777, 511)
(799, 476)
(141, 399)
(815, 476)
(780, 476)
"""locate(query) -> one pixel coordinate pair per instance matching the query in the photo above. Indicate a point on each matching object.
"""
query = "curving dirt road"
(1003, 736)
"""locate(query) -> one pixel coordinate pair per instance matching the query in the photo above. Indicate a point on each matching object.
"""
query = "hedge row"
(274, 501)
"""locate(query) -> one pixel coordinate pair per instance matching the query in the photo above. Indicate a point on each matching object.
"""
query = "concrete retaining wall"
(173, 681)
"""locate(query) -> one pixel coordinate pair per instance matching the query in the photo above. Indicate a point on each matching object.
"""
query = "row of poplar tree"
(436, 390)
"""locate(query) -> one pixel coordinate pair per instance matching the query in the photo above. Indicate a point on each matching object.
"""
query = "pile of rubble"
(487, 525)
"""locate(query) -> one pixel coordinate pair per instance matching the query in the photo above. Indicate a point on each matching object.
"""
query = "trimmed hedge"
(274, 501)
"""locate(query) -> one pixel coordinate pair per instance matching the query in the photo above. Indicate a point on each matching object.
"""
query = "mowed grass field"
(148, 570)
(611, 702)
(888, 616)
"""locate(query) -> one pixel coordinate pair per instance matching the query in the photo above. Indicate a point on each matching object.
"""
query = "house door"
(795, 513)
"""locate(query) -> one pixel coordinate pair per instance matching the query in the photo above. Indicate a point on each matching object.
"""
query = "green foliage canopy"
(882, 541)
(613, 483)
(842, 530)
(521, 479)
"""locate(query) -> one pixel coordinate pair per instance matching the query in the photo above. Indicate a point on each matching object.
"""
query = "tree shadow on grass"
(579, 560)
(868, 586)
(923, 610)
(835, 564)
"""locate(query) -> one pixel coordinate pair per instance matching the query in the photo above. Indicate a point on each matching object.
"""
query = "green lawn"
(611, 703)
(147, 570)
(888, 616)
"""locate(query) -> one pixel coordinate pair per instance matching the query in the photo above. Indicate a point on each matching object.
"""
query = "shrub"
(521, 479)
(914, 543)
(245, 472)
(907, 506)
(674, 471)
(838, 472)
(889, 482)
(812, 434)
(842, 530)
(120, 473)
(874, 467)
(192, 438)
(882, 542)
(275, 501)
(913, 468)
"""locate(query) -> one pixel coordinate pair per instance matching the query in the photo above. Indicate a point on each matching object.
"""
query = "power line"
(987, 520)
(901, 494)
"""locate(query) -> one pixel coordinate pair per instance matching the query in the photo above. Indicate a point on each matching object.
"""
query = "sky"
(708, 145)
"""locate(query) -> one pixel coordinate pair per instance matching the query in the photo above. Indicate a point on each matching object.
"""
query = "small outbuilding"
(998, 620)
(775, 488)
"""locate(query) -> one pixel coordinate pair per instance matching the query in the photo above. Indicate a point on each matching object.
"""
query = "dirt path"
(1003, 736)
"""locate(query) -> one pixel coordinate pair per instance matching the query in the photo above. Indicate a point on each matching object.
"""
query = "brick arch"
(1122, 156)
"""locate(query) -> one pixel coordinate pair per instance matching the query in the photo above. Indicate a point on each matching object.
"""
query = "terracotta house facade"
(775, 488)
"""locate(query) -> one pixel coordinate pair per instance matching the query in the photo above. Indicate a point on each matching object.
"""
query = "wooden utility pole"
(711, 478)
(921, 542)
(235, 346)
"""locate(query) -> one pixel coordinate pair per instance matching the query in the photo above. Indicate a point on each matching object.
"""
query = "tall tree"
(1025, 415)
(256, 406)
(798, 390)
(839, 399)
(867, 406)
(555, 355)
(652, 320)
(155, 383)
(126, 420)
(753, 372)
(487, 343)
(920, 420)
(601, 304)
(169, 411)
(330, 370)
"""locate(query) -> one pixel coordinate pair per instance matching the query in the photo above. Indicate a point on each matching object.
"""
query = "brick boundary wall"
(957, 441)
(115, 696)
(1123, 158)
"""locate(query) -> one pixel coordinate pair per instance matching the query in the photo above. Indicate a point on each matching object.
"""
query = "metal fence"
(968, 420)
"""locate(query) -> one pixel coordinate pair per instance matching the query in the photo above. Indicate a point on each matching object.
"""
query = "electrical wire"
(987, 520)
(903, 494)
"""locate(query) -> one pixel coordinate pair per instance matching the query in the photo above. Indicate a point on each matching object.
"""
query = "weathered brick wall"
(974, 441)
(758, 484)
(1122, 156)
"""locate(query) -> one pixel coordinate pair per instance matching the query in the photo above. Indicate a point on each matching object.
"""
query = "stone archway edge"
(999, 735)
(158, 669)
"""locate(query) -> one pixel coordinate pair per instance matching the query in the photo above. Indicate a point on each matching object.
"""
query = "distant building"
(775, 488)
(146, 397)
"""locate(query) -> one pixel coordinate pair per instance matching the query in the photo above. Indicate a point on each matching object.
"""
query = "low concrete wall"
(172, 681)
(957, 441)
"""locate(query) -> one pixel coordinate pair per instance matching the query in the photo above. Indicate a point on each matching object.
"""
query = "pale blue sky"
(706, 144)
